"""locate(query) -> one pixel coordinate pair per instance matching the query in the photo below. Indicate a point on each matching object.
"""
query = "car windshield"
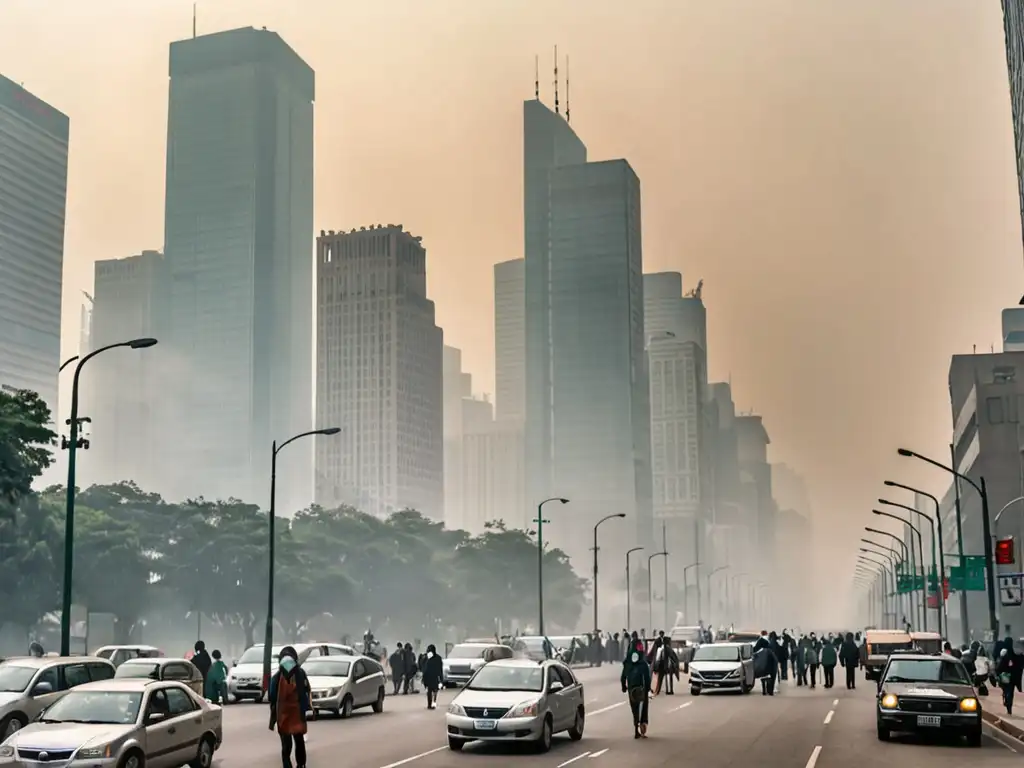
(138, 669)
(107, 707)
(15, 679)
(255, 655)
(717, 653)
(466, 652)
(327, 668)
(495, 677)
(531, 643)
(926, 671)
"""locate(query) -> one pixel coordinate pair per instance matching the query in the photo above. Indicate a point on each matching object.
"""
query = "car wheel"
(883, 733)
(346, 706)
(203, 758)
(11, 725)
(456, 745)
(544, 742)
(133, 759)
(974, 738)
(378, 705)
(576, 732)
(694, 690)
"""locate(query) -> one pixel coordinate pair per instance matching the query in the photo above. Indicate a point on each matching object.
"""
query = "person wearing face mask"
(432, 675)
(636, 683)
(1008, 673)
(290, 699)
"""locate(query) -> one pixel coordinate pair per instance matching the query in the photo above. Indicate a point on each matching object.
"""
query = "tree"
(30, 565)
(25, 440)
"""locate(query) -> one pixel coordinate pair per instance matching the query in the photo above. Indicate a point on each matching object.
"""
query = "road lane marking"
(835, 702)
(812, 760)
(590, 714)
(828, 717)
(598, 754)
(572, 760)
(681, 706)
(414, 757)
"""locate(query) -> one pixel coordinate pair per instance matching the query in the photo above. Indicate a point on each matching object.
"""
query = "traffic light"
(1005, 554)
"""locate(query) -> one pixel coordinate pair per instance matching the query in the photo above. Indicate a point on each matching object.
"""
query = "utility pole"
(664, 548)
(696, 558)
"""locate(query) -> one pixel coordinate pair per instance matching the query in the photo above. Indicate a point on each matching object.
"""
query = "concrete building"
(239, 244)
(756, 476)
(1013, 329)
(379, 374)
(128, 302)
(494, 476)
(587, 397)
(1013, 28)
(462, 413)
(33, 197)
(510, 339)
(793, 542)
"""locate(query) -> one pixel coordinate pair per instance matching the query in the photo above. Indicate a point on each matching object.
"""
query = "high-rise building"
(462, 413)
(379, 374)
(492, 476)
(752, 443)
(1013, 28)
(587, 411)
(128, 303)
(510, 339)
(33, 196)
(239, 249)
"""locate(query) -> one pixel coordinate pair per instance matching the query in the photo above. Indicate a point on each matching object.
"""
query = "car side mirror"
(155, 717)
(555, 687)
(42, 689)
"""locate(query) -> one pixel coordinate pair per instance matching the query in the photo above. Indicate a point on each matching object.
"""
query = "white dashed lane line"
(828, 717)
(813, 759)
(598, 754)
(681, 706)
(835, 702)
(572, 760)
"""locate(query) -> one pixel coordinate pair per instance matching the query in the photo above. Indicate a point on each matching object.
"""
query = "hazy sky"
(840, 173)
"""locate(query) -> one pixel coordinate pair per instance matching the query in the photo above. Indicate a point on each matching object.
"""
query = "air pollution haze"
(840, 175)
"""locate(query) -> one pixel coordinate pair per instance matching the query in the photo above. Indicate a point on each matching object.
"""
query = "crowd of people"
(806, 657)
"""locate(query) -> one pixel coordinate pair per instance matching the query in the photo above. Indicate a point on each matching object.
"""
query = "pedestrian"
(782, 654)
(216, 687)
(202, 661)
(290, 700)
(813, 658)
(432, 672)
(829, 659)
(765, 663)
(1008, 673)
(397, 664)
(409, 669)
(849, 657)
(636, 683)
(801, 661)
(36, 649)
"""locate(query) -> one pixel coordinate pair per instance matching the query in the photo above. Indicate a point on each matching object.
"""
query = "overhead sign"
(1010, 590)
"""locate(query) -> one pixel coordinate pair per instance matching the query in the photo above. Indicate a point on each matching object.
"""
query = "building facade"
(1013, 28)
(33, 199)
(510, 339)
(379, 374)
(239, 243)
(758, 502)
(493, 476)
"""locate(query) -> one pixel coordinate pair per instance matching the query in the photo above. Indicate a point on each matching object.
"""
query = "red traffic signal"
(1005, 552)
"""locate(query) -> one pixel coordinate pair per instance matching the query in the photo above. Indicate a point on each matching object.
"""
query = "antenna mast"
(556, 80)
(567, 89)
(536, 87)
(194, 20)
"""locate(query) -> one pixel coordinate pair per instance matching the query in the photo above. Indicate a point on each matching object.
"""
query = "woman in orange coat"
(289, 702)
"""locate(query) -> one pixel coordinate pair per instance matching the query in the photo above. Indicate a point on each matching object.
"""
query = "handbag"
(637, 694)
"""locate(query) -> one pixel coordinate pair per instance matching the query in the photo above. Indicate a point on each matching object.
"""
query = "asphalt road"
(797, 728)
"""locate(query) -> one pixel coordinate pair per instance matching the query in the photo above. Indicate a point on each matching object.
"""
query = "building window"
(994, 409)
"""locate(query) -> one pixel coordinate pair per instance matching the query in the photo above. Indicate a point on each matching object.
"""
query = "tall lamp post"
(268, 632)
(938, 565)
(880, 567)
(871, 579)
(716, 570)
(686, 590)
(905, 554)
(598, 525)
(69, 515)
(893, 564)
(650, 589)
(895, 556)
(629, 593)
(540, 559)
(920, 555)
(66, 363)
(986, 525)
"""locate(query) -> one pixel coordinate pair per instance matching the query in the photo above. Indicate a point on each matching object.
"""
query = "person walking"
(216, 687)
(290, 700)
(432, 675)
(813, 658)
(202, 661)
(849, 657)
(636, 683)
(829, 659)
(397, 665)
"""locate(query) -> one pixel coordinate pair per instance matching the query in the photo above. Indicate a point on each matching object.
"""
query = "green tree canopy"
(25, 440)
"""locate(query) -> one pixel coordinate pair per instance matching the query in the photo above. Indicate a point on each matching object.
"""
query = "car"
(127, 723)
(517, 700)
(878, 645)
(181, 670)
(29, 685)
(722, 666)
(927, 642)
(928, 693)
(119, 654)
(341, 685)
(245, 678)
(530, 647)
(465, 659)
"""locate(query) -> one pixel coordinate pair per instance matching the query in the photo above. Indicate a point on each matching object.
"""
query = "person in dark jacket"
(1008, 673)
(397, 664)
(766, 665)
(432, 675)
(849, 657)
(290, 699)
(636, 683)
(829, 659)
(782, 654)
(202, 661)
(409, 669)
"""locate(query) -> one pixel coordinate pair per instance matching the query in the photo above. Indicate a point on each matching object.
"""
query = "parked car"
(119, 654)
(341, 685)
(245, 679)
(179, 670)
(30, 684)
(465, 659)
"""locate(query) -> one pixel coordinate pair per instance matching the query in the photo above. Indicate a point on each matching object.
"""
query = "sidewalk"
(1011, 725)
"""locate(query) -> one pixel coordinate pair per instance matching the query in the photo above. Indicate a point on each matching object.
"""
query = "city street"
(798, 728)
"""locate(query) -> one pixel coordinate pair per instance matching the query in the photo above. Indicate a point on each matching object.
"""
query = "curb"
(1004, 726)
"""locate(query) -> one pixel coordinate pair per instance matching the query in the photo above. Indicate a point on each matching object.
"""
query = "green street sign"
(970, 576)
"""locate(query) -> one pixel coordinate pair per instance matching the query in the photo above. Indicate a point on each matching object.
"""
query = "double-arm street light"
(629, 593)
(69, 515)
(596, 526)
(540, 560)
(717, 570)
(268, 633)
(920, 554)
(686, 590)
(937, 565)
(650, 589)
(876, 567)
(893, 557)
(906, 552)
(986, 525)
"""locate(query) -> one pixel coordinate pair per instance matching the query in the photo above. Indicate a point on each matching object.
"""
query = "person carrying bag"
(636, 683)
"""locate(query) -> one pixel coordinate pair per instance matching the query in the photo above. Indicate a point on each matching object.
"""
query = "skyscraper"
(1013, 28)
(379, 374)
(510, 339)
(239, 249)
(33, 195)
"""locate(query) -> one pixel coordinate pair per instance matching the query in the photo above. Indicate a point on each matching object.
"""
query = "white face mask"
(636, 656)
(430, 654)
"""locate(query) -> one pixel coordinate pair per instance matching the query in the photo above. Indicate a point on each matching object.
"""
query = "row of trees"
(136, 554)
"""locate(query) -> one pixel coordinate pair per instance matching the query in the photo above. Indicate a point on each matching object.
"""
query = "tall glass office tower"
(1013, 28)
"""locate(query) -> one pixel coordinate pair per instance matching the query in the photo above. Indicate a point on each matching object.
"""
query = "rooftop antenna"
(194, 20)
(556, 80)
(536, 88)
(567, 89)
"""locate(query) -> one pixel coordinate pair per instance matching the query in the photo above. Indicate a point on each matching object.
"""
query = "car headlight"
(969, 705)
(6, 751)
(890, 701)
(694, 672)
(526, 709)
(734, 673)
(90, 753)
(456, 709)
(332, 692)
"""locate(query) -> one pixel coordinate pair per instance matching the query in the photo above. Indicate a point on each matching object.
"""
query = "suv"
(30, 685)
(920, 692)
(722, 665)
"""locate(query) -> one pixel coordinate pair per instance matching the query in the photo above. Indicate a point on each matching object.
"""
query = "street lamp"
(650, 590)
(268, 633)
(69, 515)
(629, 594)
(66, 363)
(920, 553)
(540, 559)
(937, 565)
(879, 568)
(986, 533)
(905, 554)
(893, 562)
(602, 520)
(716, 570)
(686, 590)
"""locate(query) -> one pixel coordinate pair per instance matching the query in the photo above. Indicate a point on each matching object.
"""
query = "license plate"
(484, 725)
(929, 721)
